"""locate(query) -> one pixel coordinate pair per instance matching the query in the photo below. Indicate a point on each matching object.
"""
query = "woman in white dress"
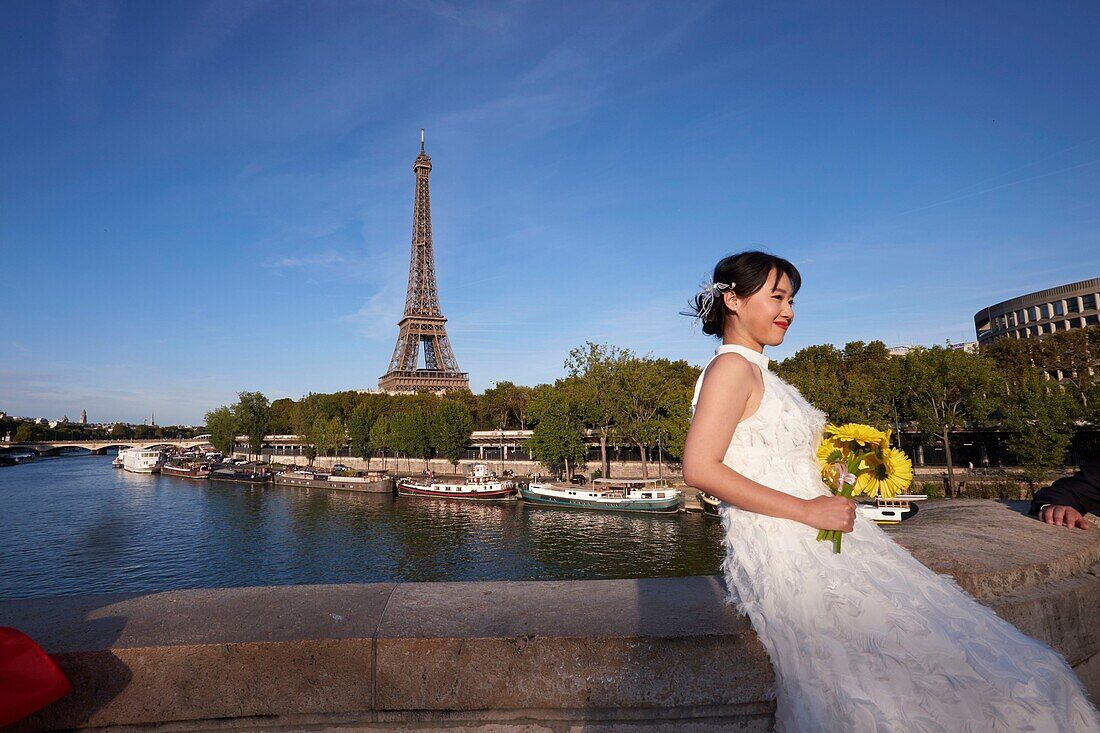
(865, 640)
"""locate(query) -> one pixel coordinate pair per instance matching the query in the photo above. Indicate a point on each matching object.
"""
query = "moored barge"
(614, 495)
(241, 474)
(480, 485)
(371, 483)
(199, 471)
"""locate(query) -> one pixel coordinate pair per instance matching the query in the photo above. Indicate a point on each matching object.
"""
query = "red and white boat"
(480, 485)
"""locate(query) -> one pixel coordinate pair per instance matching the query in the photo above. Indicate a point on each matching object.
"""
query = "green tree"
(118, 430)
(411, 435)
(946, 389)
(858, 383)
(1074, 357)
(504, 405)
(27, 432)
(333, 436)
(322, 437)
(451, 426)
(253, 414)
(675, 418)
(284, 416)
(381, 435)
(359, 430)
(595, 395)
(1038, 415)
(556, 438)
(645, 389)
(222, 426)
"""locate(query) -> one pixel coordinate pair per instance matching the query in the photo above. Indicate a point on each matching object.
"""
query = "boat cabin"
(642, 488)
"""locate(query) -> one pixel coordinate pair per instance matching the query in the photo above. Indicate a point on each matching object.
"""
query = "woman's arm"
(727, 388)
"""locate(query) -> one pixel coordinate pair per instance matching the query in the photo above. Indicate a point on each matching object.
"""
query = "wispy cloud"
(323, 259)
(991, 189)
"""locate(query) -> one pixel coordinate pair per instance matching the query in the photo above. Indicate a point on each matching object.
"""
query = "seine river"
(74, 525)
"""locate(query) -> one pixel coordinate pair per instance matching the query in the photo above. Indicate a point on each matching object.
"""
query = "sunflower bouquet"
(857, 460)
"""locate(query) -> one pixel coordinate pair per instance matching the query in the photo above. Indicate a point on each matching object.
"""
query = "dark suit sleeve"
(1080, 491)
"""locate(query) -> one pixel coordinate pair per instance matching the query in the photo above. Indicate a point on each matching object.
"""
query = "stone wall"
(601, 655)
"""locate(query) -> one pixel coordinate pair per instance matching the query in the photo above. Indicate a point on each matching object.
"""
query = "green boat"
(609, 495)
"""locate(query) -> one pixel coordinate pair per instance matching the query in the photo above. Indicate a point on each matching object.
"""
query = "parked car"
(340, 467)
(579, 478)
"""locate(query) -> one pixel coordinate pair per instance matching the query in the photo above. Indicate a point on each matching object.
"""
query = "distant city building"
(900, 350)
(968, 346)
(1041, 313)
(83, 417)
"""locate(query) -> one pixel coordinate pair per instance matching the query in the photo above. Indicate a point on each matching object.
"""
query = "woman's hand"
(830, 512)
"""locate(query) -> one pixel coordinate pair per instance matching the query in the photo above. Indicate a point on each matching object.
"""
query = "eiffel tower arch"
(422, 329)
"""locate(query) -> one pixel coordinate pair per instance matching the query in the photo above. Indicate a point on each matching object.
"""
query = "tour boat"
(242, 474)
(709, 502)
(891, 511)
(615, 495)
(480, 485)
(372, 482)
(186, 470)
(142, 460)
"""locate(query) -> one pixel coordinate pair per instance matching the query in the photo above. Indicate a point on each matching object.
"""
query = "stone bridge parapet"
(99, 446)
(599, 655)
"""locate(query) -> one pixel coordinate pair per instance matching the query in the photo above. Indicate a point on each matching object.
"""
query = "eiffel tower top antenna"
(422, 141)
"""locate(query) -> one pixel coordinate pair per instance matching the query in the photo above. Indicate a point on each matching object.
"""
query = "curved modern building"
(1042, 313)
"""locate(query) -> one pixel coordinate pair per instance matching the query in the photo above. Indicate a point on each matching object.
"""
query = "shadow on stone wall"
(80, 636)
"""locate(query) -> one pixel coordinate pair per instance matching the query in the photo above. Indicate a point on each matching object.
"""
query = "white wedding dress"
(870, 639)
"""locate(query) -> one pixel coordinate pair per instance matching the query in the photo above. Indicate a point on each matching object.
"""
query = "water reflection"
(74, 525)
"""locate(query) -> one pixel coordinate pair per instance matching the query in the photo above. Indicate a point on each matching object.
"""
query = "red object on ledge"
(29, 679)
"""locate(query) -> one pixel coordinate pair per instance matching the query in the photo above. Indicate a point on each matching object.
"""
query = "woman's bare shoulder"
(729, 366)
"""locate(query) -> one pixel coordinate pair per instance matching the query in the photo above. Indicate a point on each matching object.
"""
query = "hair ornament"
(710, 288)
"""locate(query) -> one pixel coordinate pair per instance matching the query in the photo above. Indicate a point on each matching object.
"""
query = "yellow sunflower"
(888, 476)
(830, 451)
(857, 433)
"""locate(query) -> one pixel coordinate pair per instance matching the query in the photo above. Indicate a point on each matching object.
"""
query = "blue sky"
(205, 197)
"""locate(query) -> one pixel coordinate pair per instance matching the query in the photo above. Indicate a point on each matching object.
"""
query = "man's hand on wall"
(1063, 516)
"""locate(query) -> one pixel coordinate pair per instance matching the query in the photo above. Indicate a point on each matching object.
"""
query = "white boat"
(617, 495)
(480, 485)
(709, 503)
(891, 511)
(142, 460)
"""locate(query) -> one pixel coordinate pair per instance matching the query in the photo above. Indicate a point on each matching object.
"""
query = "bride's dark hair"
(747, 272)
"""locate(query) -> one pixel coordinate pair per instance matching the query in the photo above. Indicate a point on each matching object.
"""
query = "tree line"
(1036, 390)
(27, 431)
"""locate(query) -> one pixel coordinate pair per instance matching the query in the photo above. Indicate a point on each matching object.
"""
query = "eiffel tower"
(422, 326)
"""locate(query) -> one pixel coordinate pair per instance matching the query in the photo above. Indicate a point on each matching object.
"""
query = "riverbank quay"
(599, 655)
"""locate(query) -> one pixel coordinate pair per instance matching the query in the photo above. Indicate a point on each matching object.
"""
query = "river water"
(74, 525)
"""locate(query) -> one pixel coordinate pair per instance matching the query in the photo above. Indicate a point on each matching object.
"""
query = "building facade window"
(1059, 308)
(1088, 302)
(1072, 306)
(1092, 320)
